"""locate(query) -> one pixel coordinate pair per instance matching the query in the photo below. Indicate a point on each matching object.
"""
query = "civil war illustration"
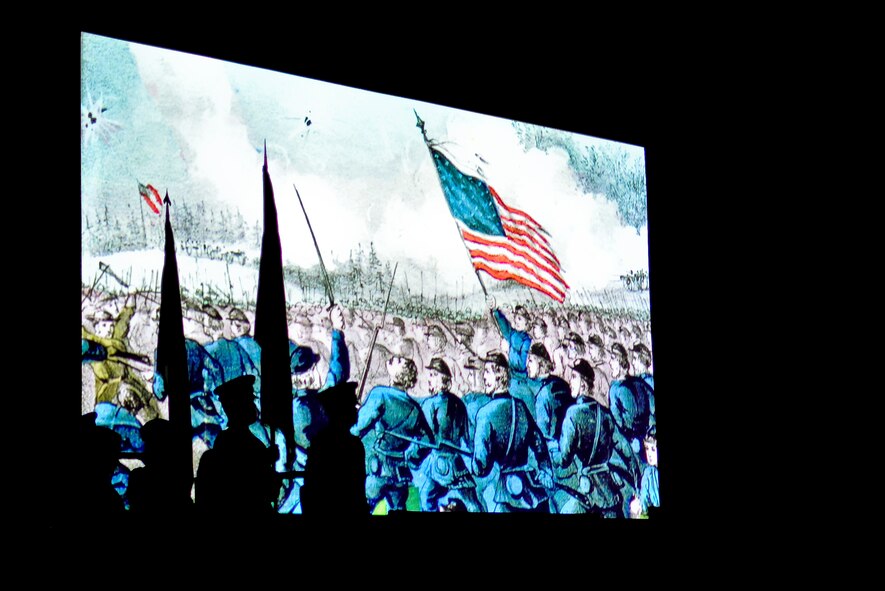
(290, 271)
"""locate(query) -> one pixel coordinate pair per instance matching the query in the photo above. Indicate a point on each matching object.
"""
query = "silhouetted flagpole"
(271, 327)
(172, 354)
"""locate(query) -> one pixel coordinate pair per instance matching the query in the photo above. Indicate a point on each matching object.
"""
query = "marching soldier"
(446, 476)
(591, 440)
(519, 342)
(508, 440)
(401, 436)
(308, 415)
(551, 403)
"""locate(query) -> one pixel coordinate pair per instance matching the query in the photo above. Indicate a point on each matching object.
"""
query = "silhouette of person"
(161, 487)
(236, 477)
(96, 460)
(335, 477)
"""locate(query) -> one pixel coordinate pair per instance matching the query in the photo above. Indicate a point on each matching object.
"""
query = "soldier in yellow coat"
(116, 379)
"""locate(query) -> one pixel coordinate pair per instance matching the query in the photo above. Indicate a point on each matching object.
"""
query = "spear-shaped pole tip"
(265, 153)
(168, 203)
(420, 125)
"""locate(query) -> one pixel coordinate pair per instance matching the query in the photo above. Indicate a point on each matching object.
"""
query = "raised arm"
(339, 361)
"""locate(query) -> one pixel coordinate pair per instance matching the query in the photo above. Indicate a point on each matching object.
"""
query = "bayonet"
(317, 246)
(378, 327)
(106, 269)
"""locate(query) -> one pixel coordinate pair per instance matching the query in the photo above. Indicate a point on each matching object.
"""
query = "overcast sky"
(196, 126)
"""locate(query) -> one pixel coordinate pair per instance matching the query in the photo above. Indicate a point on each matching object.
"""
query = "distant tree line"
(200, 230)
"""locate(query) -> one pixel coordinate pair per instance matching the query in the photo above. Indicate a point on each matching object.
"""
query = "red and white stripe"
(523, 255)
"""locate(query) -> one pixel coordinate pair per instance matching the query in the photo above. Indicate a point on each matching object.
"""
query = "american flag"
(503, 241)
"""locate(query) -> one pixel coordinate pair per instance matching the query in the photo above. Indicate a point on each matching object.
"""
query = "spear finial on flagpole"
(420, 125)
(168, 203)
(265, 154)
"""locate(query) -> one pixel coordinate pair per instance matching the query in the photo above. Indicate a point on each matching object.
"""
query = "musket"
(317, 246)
(455, 336)
(94, 283)
(378, 327)
(436, 446)
(107, 269)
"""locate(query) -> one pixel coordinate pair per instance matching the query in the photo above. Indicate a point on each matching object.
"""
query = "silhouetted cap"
(540, 351)
(583, 367)
(156, 431)
(87, 421)
(236, 388)
(441, 366)
(302, 359)
(398, 322)
(339, 399)
(495, 357)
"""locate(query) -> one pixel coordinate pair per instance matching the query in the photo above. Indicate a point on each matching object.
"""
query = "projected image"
(297, 294)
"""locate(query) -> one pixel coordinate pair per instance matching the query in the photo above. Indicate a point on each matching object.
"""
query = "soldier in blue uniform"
(551, 403)
(446, 476)
(234, 360)
(641, 364)
(395, 434)
(588, 442)
(204, 375)
(519, 342)
(553, 397)
(508, 440)
(308, 415)
(240, 328)
(631, 399)
(649, 495)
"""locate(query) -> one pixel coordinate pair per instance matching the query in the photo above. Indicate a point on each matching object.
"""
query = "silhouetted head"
(238, 399)
(99, 447)
(339, 402)
(158, 437)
